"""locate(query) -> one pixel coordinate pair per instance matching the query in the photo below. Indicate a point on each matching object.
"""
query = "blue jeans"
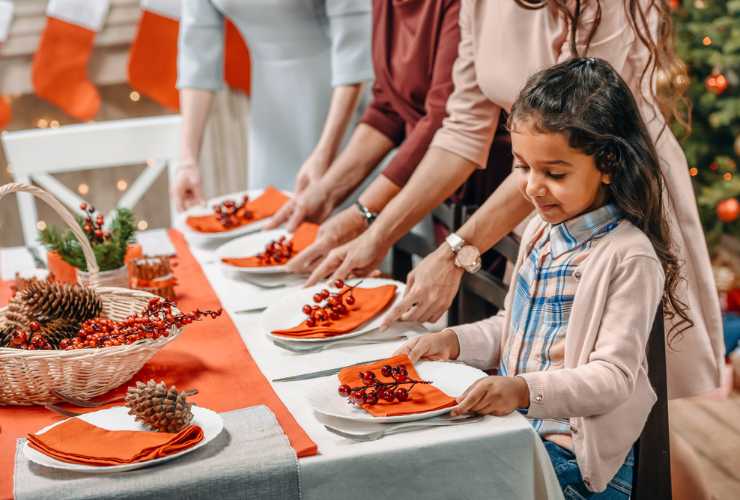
(571, 482)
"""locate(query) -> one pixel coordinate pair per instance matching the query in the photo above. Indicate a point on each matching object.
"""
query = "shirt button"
(538, 398)
(577, 275)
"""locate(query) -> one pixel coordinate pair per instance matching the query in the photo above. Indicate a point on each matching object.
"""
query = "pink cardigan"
(603, 387)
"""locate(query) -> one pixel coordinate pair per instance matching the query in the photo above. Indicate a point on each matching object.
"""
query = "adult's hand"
(339, 229)
(358, 257)
(310, 172)
(430, 289)
(313, 204)
(187, 188)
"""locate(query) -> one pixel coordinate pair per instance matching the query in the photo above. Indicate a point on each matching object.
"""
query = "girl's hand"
(494, 396)
(336, 231)
(187, 189)
(436, 346)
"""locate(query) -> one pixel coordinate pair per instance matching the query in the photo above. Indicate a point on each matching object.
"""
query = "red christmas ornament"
(728, 210)
(716, 84)
(674, 4)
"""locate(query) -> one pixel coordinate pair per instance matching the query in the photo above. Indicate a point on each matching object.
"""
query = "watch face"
(469, 258)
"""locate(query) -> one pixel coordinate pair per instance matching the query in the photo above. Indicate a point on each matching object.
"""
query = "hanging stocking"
(236, 60)
(152, 65)
(6, 15)
(59, 71)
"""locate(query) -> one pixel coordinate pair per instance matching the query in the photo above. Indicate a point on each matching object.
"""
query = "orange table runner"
(208, 355)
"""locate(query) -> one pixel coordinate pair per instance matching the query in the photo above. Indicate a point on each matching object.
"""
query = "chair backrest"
(33, 155)
(652, 472)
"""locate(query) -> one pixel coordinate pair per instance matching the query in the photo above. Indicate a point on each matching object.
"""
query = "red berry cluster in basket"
(29, 339)
(277, 252)
(329, 306)
(374, 390)
(154, 322)
(94, 227)
(231, 214)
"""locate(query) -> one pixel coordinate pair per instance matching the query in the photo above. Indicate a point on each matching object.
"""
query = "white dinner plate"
(449, 377)
(208, 209)
(118, 419)
(288, 312)
(249, 246)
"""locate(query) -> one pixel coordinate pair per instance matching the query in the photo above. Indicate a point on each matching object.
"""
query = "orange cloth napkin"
(369, 302)
(422, 398)
(79, 442)
(304, 235)
(261, 207)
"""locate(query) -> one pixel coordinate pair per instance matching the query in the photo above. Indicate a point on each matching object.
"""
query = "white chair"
(33, 155)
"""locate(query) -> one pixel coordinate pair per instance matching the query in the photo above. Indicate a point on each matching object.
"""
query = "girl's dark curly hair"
(587, 100)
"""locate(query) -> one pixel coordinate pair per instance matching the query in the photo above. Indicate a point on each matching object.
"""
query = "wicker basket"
(28, 377)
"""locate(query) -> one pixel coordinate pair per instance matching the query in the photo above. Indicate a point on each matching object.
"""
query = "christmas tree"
(708, 41)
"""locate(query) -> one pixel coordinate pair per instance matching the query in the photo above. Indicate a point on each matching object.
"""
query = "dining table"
(491, 458)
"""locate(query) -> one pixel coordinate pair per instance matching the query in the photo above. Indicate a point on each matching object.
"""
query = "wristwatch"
(467, 257)
(366, 213)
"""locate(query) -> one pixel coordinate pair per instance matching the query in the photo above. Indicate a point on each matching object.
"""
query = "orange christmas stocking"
(59, 71)
(236, 60)
(6, 15)
(152, 65)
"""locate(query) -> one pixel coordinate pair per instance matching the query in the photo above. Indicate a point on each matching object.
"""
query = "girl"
(593, 266)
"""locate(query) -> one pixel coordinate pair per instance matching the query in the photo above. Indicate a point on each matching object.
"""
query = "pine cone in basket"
(159, 408)
(6, 332)
(43, 301)
(58, 329)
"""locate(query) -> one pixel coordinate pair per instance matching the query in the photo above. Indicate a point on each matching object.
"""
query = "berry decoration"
(229, 214)
(374, 389)
(330, 306)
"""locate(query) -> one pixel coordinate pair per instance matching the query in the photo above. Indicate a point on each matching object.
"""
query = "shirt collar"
(572, 233)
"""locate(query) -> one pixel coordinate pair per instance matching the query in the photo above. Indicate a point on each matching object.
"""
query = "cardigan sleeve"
(608, 378)
(480, 342)
(350, 31)
(200, 60)
(410, 153)
(471, 118)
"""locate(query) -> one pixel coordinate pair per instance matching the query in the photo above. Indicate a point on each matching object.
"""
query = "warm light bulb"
(134, 96)
(83, 189)
(54, 124)
(41, 225)
(693, 171)
(42, 123)
(142, 225)
(121, 185)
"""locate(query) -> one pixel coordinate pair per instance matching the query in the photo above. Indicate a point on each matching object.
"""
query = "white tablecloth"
(497, 458)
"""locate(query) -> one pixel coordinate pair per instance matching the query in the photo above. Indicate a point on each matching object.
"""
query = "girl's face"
(561, 182)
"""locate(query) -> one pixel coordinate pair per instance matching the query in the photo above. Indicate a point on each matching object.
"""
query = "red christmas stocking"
(236, 60)
(59, 71)
(152, 66)
(6, 15)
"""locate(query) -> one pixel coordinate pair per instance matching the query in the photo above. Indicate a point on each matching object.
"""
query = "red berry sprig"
(154, 322)
(277, 252)
(329, 306)
(93, 227)
(229, 214)
(374, 390)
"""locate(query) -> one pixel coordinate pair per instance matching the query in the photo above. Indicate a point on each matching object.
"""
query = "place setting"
(367, 401)
(343, 313)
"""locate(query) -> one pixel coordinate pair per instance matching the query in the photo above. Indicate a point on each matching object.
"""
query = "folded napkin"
(369, 302)
(79, 442)
(265, 205)
(422, 398)
(304, 235)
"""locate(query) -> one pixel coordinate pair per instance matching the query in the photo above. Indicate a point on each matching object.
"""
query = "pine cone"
(18, 314)
(159, 408)
(43, 301)
(58, 329)
(6, 331)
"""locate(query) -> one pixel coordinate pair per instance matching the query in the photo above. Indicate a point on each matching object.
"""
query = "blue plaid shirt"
(544, 290)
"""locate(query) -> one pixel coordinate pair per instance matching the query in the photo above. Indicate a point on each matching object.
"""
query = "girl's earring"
(606, 179)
